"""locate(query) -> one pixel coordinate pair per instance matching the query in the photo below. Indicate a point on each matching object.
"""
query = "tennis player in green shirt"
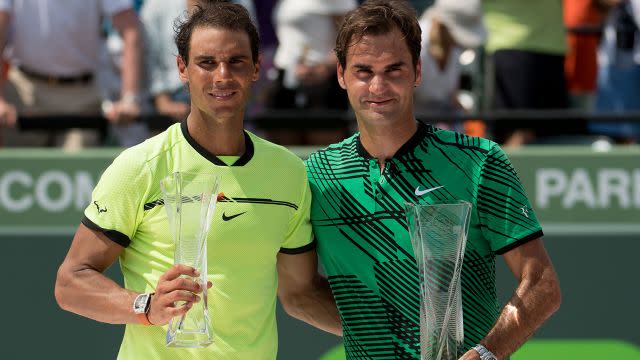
(361, 184)
(260, 244)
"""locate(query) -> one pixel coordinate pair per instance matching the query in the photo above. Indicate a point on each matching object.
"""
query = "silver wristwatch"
(485, 354)
(141, 308)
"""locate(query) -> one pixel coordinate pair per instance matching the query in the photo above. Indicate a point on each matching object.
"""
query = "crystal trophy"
(439, 235)
(190, 200)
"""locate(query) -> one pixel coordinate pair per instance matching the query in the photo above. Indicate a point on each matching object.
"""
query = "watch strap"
(485, 354)
(143, 319)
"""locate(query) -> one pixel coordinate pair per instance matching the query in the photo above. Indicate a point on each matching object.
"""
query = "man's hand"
(123, 111)
(172, 288)
(8, 114)
(470, 355)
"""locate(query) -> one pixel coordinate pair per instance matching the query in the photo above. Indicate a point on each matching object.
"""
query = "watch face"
(140, 303)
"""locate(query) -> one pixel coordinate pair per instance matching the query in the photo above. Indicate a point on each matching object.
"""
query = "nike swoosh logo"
(422, 192)
(227, 218)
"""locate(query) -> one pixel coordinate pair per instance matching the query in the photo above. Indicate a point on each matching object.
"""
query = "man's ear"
(340, 74)
(182, 69)
(256, 74)
(418, 73)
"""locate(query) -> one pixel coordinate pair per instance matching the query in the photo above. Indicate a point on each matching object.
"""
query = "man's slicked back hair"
(218, 14)
(379, 17)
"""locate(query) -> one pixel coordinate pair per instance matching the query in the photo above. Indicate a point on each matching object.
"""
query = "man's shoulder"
(275, 154)
(443, 137)
(152, 148)
(336, 152)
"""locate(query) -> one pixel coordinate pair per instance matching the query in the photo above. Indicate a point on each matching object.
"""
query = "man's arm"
(82, 288)
(127, 24)
(305, 294)
(534, 301)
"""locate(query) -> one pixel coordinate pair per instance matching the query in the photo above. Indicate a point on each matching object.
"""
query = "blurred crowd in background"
(115, 59)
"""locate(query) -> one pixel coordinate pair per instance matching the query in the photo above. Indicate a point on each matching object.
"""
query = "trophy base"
(189, 340)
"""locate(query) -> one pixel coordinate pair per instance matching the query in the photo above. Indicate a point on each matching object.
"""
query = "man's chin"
(224, 112)
(378, 116)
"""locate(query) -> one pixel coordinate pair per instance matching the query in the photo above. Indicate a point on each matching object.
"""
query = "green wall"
(599, 282)
(589, 204)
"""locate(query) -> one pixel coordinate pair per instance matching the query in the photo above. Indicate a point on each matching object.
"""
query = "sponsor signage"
(575, 190)
(46, 191)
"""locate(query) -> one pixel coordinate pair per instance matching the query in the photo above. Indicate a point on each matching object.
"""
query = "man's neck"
(382, 142)
(218, 136)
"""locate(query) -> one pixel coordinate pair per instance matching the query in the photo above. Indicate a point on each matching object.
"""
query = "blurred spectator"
(448, 27)
(264, 11)
(170, 95)
(419, 5)
(109, 84)
(53, 57)
(305, 66)
(268, 45)
(526, 45)
(583, 20)
(619, 70)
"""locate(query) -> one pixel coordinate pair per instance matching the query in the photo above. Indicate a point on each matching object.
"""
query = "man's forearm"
(129, 29)
(91, 294)
(534, 301)
(131, 64)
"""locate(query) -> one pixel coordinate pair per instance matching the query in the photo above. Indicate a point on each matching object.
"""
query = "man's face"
(379, 77)
(220, 72)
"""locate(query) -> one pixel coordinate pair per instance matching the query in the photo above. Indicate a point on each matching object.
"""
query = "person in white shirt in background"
(305, 65)
(448, 28)
(52, 48)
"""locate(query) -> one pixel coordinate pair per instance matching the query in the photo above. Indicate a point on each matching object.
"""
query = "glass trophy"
(439, 235)
(190, 200)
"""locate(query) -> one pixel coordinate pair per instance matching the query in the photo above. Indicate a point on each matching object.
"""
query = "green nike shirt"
(363, 241)
(269, 214)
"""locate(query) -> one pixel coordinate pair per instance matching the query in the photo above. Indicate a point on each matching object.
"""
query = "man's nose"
(222, 72)
(377, 85)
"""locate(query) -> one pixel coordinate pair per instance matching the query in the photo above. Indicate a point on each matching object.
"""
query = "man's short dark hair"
(379, 17)
(216, 14)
